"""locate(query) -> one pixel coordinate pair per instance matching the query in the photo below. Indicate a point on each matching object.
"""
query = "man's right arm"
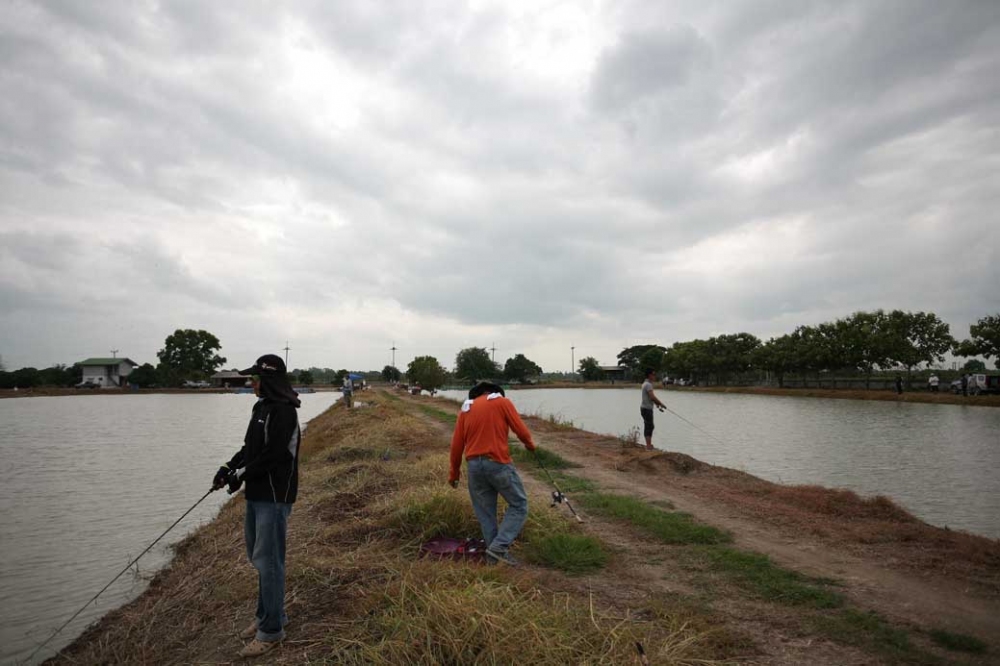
(517, 425)
(457, 447)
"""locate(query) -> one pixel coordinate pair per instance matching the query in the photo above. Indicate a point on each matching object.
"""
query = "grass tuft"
(868, 630)
(958, 642)
(550, 459)
(572, 553)
(668, 527)
(759, 575)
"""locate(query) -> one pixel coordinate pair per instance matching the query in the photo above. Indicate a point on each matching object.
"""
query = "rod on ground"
(557, 496)
(127, 567)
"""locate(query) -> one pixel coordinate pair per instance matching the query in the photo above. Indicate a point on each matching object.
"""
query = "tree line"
(863, 343)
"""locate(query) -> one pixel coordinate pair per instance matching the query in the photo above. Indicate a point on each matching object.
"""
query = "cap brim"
(250, 371)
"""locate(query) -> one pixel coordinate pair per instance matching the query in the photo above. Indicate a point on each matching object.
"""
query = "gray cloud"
(641, 171)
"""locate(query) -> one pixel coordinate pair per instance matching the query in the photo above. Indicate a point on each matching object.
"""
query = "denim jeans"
(264, 528)
(487, 479)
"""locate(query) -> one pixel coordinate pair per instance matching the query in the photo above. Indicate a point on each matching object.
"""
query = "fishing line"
(127, 567)
(699, 429)
(557, 497)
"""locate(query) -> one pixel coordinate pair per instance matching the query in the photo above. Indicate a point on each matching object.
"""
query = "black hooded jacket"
(270, 453)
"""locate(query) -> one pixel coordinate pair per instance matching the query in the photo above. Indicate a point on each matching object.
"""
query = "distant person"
(899, 385)
(646, 407)
(965, 384)
(481, 435)
(932, 383)
(348, 390)
(268, 463)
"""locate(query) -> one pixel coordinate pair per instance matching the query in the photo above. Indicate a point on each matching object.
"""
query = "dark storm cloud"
(693, 167)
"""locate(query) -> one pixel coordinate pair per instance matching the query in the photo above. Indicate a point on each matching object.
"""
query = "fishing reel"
(557, 498)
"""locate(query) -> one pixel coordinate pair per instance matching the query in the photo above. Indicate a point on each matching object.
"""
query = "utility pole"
(393, 349)
(114, 353)
(494, 350)
(572, 360)
(286, 354)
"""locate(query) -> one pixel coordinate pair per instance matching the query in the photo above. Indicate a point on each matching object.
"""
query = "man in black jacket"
(269, 465)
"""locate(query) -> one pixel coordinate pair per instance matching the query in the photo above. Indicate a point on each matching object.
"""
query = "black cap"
(269, 365)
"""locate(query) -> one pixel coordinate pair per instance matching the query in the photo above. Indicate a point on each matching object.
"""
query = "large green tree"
(917, 337)
(474, 363)
(520, 369)
(391, 373)
(189, 354)
(427, 372)
(634, 356)
(984, 339)
(590, 369)
(144, 376)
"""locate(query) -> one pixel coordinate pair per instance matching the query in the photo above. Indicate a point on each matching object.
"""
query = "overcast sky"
(536, 175)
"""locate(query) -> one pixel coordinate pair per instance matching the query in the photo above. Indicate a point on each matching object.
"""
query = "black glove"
(234, 480)
(220, 478)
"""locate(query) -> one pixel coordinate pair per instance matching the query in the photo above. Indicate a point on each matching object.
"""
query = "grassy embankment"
(824, 611)
(372, 489)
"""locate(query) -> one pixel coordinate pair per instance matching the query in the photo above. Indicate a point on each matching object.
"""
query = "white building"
(107, 372)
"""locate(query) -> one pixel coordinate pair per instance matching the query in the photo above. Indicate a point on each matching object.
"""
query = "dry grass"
(372, 486)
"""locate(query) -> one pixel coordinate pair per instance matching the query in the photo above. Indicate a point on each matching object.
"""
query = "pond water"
(941, 462)
(87, 482)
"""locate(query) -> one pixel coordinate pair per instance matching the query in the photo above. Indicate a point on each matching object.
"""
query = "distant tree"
(474, 363)
(974, 365)
(391, 374)
(862, 341)
(590, 369)
(520, 369)
(26, 377)
(915, 338)
(189, 354)
(777, 355)
(145, 376)
(984, 339)
(57, 375)
(340, 376)
(306, 378)
(654, 358)
(426, 372)
(631, 358)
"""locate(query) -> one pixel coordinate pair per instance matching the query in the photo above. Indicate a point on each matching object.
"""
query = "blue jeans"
(264, 528)
(487, 479)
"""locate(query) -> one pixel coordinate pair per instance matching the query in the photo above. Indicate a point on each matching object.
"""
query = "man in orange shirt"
(481, 434)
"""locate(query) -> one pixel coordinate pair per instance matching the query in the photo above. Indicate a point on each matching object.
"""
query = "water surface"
(87, 482)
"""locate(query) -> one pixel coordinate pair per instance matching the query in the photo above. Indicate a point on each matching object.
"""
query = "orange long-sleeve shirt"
(482, 431)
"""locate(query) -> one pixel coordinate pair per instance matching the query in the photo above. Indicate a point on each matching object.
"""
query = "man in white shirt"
(646, 407)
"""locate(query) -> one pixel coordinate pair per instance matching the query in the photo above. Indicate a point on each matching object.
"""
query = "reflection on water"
(87, 482)
(938, 461)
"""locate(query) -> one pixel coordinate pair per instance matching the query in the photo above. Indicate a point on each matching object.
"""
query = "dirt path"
(919, 577)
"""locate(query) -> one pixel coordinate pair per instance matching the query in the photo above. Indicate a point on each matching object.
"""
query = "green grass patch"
(438, 414)
(869, 631)
(445, 513)
(548, 458)
(572, 553)
(668, 527)
(758, 574)
(958, 642)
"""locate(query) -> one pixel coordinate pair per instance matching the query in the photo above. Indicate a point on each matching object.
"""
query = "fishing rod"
(557, 495)
(127, 567)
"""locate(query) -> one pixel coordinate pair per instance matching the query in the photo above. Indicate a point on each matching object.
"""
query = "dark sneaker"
(493, 557)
